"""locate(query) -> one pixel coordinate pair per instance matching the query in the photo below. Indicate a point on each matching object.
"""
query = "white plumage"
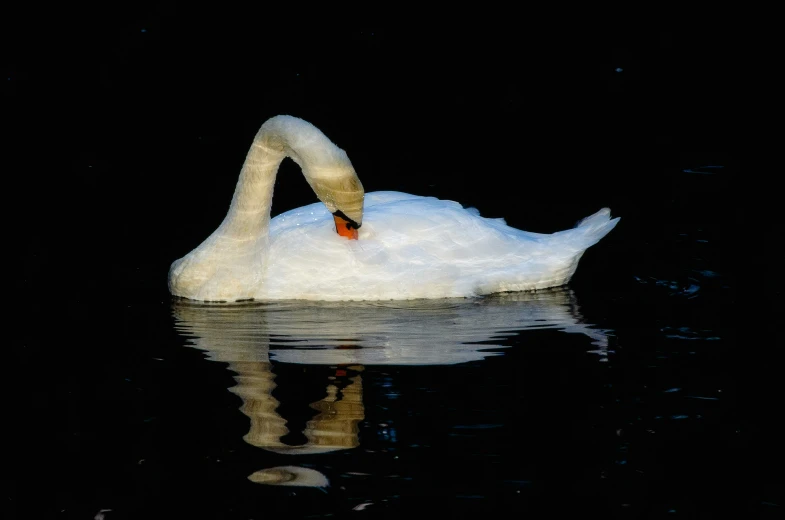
(408, 247)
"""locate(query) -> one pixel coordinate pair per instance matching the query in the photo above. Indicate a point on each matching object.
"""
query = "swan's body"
(409, 246)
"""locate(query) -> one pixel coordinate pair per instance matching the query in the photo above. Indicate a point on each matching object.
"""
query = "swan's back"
(418, 247)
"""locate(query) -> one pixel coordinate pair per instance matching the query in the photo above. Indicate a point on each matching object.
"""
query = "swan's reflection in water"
(349, 336)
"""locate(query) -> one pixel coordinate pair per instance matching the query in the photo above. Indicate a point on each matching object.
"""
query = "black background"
(126, 129)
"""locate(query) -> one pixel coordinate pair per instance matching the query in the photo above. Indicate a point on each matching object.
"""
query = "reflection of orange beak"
(345, 228)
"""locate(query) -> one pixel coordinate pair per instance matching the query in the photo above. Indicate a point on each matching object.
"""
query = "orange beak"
(345, 228)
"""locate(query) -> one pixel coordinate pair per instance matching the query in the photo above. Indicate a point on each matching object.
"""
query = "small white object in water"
(290, 476)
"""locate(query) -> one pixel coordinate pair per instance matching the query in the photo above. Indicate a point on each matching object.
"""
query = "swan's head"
(326, 167)
(341, 191)
(345, 226)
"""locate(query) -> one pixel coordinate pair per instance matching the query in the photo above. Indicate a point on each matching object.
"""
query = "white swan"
(409, 246)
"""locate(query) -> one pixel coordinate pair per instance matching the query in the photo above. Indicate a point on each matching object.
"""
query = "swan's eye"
(350, 224)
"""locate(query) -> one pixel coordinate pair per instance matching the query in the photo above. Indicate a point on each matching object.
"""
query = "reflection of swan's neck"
(333, 428)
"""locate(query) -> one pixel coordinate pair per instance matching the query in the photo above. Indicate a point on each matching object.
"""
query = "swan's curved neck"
(325, 166)
(249, 212)
(230, 263)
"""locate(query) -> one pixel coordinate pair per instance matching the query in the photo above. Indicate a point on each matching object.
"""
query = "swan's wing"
(417, 247)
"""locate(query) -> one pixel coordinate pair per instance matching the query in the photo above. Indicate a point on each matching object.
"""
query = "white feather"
(409, 246)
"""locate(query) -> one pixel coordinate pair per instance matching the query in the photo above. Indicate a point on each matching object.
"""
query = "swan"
(388, 246)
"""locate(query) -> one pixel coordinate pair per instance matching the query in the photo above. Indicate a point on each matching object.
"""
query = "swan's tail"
(591, 229)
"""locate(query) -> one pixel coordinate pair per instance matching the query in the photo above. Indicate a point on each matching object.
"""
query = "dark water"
(627, 393)
(621, 394)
